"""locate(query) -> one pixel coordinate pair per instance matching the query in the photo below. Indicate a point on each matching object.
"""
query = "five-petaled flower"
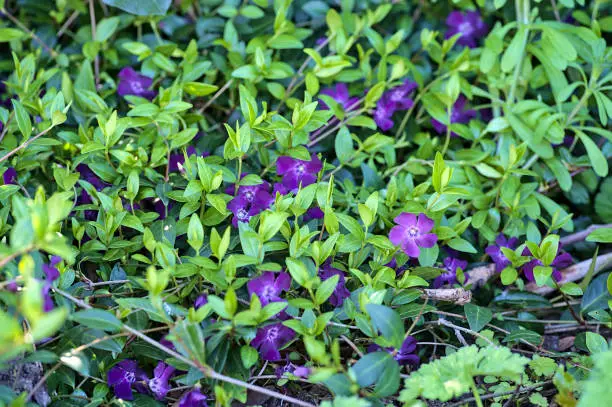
(393, 100)
(133, 83)
(159, 385)
(123, 376)
(341, 95)
(469, 24)
(412, 233)
(405, 355)
(269, 286)
(296, 171)
(496, 254)
(291, 368)
(451, 264)
(270, 339)
(458, 115)
(340, 292)
(194, 398)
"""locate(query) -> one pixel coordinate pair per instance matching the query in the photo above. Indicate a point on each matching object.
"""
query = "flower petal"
(409, 246)
(427, 241)
(424, 223)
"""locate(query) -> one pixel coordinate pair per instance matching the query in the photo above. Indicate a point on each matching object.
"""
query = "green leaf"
(596, 343)
(199, 89)
(512, 56)
(603, 235)
(106, 28)
(370, 368)
(326, 289)
(23, 119)
(141, 8)
(596, 295)
(10, 34)
(388, 323)
(597, 158)
(97, 318)
(477, 316)
(344, 145)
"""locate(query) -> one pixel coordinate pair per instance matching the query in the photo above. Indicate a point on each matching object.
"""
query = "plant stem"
(216, 95)
(24, 144)
(35, 37)
(475, 392)
(522, 17)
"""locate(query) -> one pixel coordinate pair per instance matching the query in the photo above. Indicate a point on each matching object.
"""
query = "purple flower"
(177, 160)
(340, 292)
(411, 233)
(405, 355)
(243, 209)
(296, 172)
(12, 286)
(280, 188)
(458, 115)
(159, 385)
(562, 260)
(133, 83)
(268, 287)
(51, 272)
(496, 254)
(10, 176)
(469, 24)
(193, 399)
(313, 213)
(451, 265)
(320, 41)
(270, 339)
(395, 99)
(289, 367)
(341, 95)
(122, 376)
(201, 301)
(46, 295)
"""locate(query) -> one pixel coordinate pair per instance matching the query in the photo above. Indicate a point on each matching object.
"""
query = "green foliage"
(453, 375)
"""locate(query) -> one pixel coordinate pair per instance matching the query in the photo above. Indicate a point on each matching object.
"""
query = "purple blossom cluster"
(496, 254)
(561, 261)
(449, 277)
(126, 376)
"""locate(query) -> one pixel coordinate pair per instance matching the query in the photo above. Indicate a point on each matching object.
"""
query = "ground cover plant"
(308, 202)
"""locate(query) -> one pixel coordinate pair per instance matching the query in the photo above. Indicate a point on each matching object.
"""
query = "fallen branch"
(458, 296)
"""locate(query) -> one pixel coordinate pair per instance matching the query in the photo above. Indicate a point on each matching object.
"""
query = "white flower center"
(272, 334)
(243, 214)
(300, 169)
(137, 87)
(130, 377)
(413, 231)
(465, 28)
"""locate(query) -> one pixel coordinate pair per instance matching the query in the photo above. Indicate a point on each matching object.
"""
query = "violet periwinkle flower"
(201, 301)
(133, 83)
(123, 376)
(458, 115)
(405, 355)
(296, 171)
(270, 339)
(160, 208)
(194, 398)
(451, 264)
(313, 213)
(250, 200)
(496, 254)
(177, 160)
(469, 24)
(561, 261)
(289, 367)
(340, 292)
(12, 286)
(412, 233)
(10, 176)
(393, 100)
(50, 270)
(341, 95)
(46, 295)
(159, 385)
(269, 287)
